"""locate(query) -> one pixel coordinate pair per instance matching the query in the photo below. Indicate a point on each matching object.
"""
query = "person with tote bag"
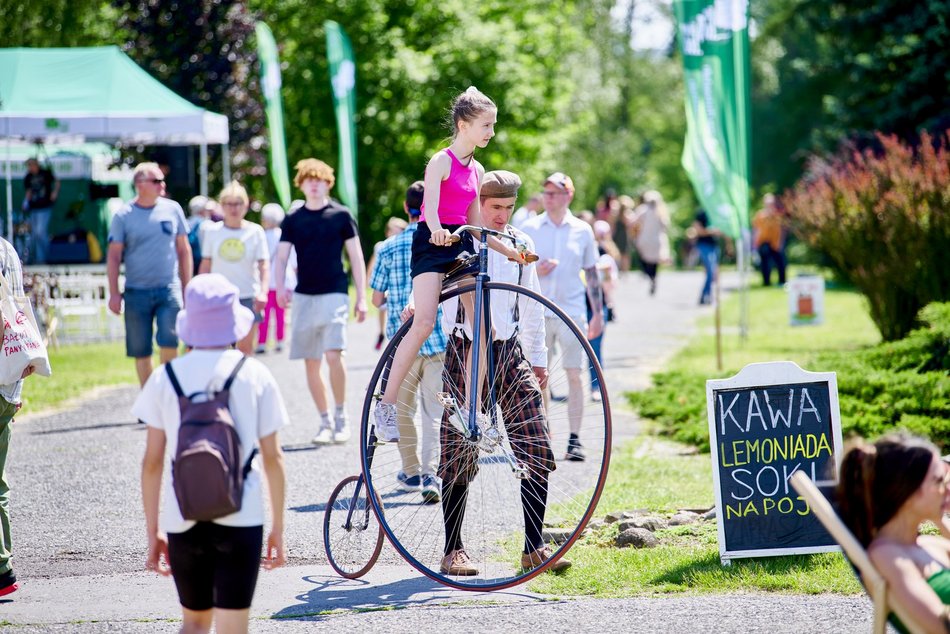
(20, 359)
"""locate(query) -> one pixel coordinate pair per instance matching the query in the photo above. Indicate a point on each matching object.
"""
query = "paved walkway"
(79, 542)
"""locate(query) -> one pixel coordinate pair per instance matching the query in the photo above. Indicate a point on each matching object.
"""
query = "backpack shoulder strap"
(247, 465)
(174, 380)
(227, 384)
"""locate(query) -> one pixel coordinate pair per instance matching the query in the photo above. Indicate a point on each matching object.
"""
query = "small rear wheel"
(352, 536)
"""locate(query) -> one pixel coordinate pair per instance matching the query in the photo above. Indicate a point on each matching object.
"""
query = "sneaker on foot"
(595, 395)
(458, 564)
(279, 347)
(324, 436)
(430, 489)
(384, 416)
(574, 451)
(379, 341)
(530, 561)
(341, 434)
(341, 429)
(411, 484)
(8, 583)
(261, 349)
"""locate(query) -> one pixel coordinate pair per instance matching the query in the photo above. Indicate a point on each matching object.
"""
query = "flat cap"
(500, 184)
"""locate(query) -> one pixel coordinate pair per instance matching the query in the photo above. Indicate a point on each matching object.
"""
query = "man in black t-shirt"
(319, 231)
(41, 189)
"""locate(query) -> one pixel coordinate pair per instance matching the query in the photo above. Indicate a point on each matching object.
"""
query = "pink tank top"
(456, 192)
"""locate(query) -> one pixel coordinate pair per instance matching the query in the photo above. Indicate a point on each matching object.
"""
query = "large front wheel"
(536, 469)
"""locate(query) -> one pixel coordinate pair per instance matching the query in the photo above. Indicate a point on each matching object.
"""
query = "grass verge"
(77, 370)
(662, 476)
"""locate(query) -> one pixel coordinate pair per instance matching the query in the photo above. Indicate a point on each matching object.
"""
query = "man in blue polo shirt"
(392, 285)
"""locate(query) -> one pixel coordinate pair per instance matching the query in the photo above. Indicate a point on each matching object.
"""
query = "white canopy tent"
(98, 93)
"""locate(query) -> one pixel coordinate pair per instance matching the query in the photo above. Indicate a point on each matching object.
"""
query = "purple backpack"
(207, 474)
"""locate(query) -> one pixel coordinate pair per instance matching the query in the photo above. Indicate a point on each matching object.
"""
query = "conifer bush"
(882, 215)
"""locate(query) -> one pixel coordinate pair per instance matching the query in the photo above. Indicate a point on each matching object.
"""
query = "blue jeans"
(709, 256)
(39, 230)
(143, 306)
(596, 344)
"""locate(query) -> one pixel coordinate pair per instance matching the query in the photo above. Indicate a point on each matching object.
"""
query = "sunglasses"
(151, 180)
(943, 480)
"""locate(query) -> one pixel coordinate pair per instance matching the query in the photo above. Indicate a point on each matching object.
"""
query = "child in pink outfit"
(272, 215)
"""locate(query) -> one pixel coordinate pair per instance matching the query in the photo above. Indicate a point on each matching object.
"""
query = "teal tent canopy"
(48, 95)
(96, 93)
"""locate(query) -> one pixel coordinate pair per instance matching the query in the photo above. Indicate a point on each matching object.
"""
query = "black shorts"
(428, 258)
(216, 566)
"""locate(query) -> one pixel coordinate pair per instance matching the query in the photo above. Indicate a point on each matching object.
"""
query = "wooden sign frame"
(768, 375)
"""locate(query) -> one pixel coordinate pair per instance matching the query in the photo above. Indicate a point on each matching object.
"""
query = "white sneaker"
(387, 428)
(342, 432)
(324, 436)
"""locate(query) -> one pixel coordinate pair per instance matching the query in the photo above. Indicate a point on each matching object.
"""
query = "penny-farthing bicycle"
(494, 515)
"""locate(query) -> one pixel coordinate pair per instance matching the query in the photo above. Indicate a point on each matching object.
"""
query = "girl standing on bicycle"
(452, 181)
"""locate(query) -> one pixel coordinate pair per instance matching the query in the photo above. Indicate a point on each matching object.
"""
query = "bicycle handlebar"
(457, 234)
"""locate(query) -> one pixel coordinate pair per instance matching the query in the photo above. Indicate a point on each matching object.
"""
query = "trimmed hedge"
(899, 384)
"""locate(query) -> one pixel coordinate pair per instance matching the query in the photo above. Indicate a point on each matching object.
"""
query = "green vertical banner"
(343, 82)
(714, 41)
(270, 86)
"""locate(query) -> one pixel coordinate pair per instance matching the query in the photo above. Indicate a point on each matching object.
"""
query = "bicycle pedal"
(448, 402)
(520, 471)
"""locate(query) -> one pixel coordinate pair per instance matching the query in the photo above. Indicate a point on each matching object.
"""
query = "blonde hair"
(146, 169)
(396, 225)
(655, 199)
(314, 168)
(234, 189)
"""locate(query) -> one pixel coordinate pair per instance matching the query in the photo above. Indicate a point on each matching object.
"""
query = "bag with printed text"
(22, 344)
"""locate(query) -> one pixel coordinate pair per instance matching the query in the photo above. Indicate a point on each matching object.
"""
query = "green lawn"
(648, 473)
(77, 370)
(662, 475)
(847, 326)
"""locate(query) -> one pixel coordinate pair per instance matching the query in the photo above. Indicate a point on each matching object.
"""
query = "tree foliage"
(830, 71)
(203, 50)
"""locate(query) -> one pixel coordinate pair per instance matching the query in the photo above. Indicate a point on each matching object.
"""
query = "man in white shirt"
(520, 354)
(567, 248)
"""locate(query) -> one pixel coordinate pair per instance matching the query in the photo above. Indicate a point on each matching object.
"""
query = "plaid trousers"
(520, 399)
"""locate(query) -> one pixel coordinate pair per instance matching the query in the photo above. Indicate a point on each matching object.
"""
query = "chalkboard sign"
(765, 423)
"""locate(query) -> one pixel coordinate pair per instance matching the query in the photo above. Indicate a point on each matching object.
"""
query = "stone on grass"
(596, 524)
(651, 523)
(556, 535)
(710, 514)
(683, 517)
(610, 518)
(629, 515)
(637, 538)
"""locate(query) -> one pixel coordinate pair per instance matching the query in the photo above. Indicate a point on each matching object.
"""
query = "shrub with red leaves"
(883, 217)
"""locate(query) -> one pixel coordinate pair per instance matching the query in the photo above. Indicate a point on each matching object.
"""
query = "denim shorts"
(145, 307)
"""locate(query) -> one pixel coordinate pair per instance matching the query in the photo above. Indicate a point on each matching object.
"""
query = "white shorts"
(569, 351)
(318, 324)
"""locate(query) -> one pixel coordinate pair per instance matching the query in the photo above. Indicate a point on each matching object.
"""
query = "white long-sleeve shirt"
(530, 321)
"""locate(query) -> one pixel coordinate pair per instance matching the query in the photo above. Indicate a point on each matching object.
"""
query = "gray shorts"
(570, 349)
(318, 324)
